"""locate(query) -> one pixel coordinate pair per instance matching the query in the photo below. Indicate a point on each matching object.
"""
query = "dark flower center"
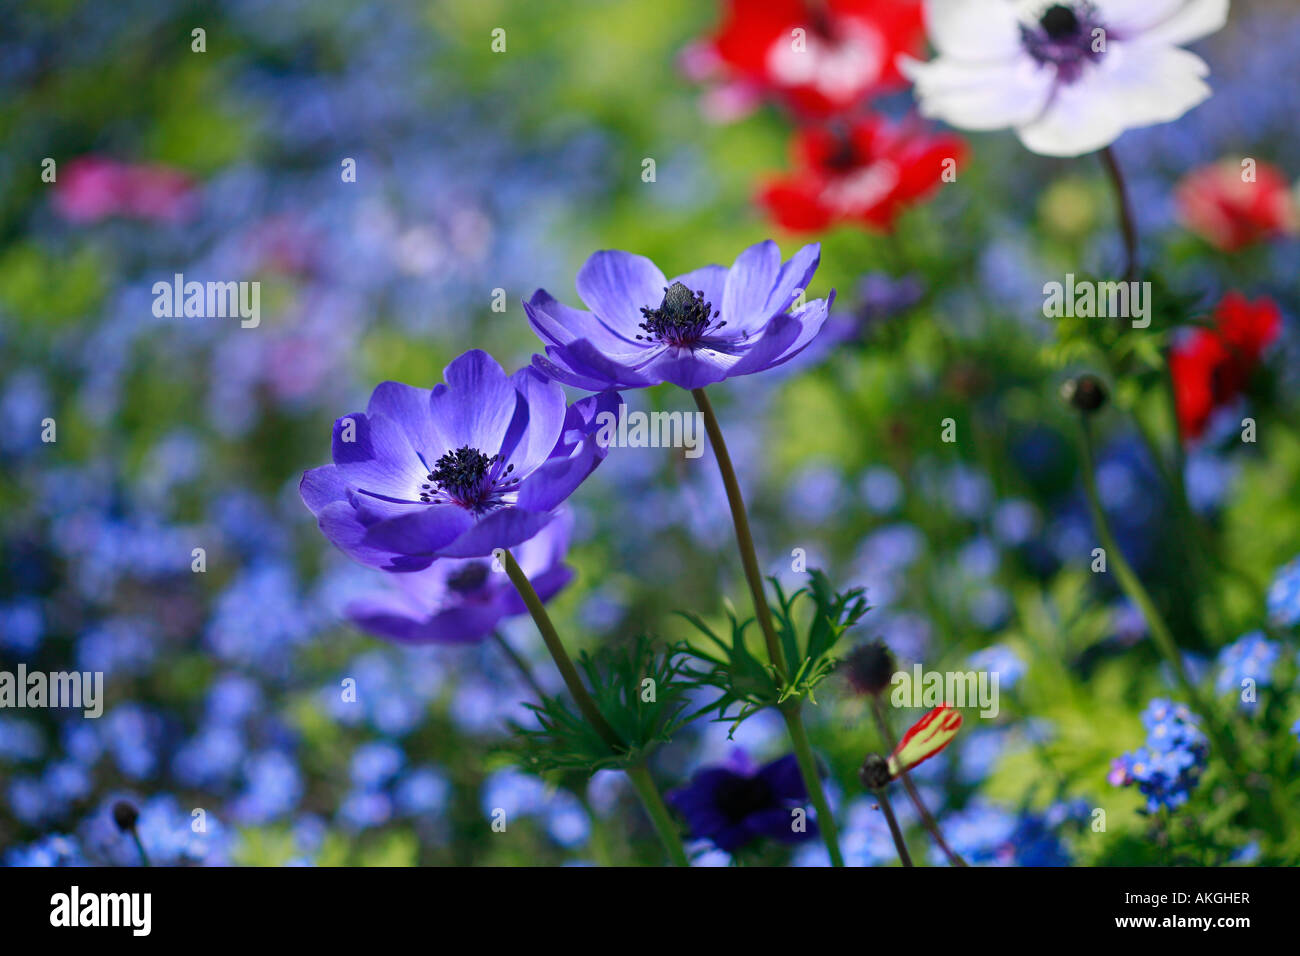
(739, 797)
(682, 319)
(843, 156)
(469, 578)
(1064, 38)
(1059, 22)
(464, 477)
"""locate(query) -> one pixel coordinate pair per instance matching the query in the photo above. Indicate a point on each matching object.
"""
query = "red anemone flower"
(818, 57)
(1213, 366)
(867, 173)
(1230, 211)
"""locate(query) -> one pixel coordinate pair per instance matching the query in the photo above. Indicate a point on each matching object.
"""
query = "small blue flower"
(1170, 766)
(1251, 657)
(1001, 660)
(55, 850)
(1284, 595)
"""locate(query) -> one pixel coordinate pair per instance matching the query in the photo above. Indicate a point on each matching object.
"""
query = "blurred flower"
(92, 188)
(820, 58)
(738, 802)
(1001, 660)
(1229, 211)
(869, 667)
(1069, 77)
(460, 601)
(1212, 366)
(989, 835)
(867, 173)
(1251, 657)
(477, 464)
(166, 830)
(54, 850)
(700, 328)
(1170, 765)
(1284, 595)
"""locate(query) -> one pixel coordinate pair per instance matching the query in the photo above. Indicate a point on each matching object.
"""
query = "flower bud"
(125, 815)
(869, 667)
(927, 737)
(1086, 393)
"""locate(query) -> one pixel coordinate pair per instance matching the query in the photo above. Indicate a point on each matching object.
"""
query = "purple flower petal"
(424, 531)
(616, 285)
(538, 422)
(749, 285)
(503, 528)
(793, 278)
(338, 522)
(476, 406)
(560, 324)
(409, 407)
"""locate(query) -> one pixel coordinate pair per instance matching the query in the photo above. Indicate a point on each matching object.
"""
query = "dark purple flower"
(694, 330)
(736, 803)
(477, 464)
(461, 600)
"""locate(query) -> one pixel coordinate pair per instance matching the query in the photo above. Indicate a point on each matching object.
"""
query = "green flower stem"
(749, 559)
(1137, 593)
(640, 777)
(139, 845)
(572, 681)
(744, 539)
(1127, 224)
(520, 664)
(812, 779)
(658, 812)
(927, 820)
(883, 799)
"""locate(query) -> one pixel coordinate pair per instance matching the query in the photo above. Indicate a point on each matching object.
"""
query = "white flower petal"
(980, 96)
(1193, 19)
(1133, 85)
(1128, 18)
(973, 29)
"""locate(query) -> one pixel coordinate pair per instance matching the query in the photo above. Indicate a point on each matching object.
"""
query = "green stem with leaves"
(1138, 594)
(895, 830)
(927, 819)
(790, 711)
(637, 773)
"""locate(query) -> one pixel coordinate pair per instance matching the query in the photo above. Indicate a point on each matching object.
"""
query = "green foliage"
(744, 684)
(639, 690)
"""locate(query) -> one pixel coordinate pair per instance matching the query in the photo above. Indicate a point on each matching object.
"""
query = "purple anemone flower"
(473, 465)
(694, 330)
(737, 802)
(461, 600)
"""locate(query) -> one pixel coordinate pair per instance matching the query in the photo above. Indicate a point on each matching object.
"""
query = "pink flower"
(93, 188)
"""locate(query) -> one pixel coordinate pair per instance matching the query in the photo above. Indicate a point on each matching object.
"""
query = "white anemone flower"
(1068, 77)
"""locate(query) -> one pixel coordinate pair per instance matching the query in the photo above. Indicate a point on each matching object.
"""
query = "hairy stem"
(927, 820)
(1127, 225)
(637, 773)
(749, 560)
(520, 665)
(658, 813)
(883, 799)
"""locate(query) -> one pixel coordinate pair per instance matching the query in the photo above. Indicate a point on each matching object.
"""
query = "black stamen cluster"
(682, 318)
(461, 475)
